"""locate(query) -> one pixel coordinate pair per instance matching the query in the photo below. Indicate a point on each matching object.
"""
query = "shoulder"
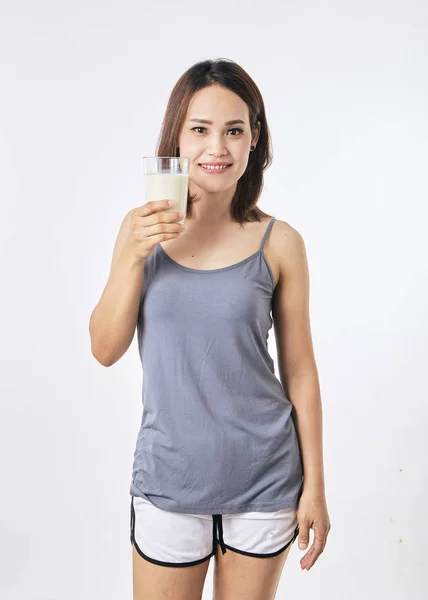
(287, 247)
(285, 236)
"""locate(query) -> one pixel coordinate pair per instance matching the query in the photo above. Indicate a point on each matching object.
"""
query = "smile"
(213, 169)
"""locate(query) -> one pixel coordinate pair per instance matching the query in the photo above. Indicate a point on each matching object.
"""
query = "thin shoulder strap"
(268, 228)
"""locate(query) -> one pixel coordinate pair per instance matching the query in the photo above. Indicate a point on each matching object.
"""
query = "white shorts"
(183, 539)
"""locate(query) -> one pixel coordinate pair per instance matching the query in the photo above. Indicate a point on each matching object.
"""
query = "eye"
(233, 129)
(237, 129)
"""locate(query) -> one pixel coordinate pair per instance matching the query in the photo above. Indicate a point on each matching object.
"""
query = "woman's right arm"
(114, 319)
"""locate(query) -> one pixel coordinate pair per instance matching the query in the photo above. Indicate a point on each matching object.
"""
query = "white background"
(84, 86)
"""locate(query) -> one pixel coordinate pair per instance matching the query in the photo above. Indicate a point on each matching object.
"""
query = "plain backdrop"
(84, 87)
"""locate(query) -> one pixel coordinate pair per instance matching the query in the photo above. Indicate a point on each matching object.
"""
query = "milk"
(168, 186)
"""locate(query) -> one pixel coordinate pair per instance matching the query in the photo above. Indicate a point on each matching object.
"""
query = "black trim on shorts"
(153, 560)
(217, 524)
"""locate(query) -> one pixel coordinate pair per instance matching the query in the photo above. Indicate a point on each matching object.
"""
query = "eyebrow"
(233, 122)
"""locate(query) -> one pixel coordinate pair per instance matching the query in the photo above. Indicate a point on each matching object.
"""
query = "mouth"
(214, 169)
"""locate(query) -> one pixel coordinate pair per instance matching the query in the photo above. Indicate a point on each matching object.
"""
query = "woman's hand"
(312, 513)
(145, 226)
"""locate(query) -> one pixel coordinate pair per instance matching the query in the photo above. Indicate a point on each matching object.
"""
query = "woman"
(223, 443)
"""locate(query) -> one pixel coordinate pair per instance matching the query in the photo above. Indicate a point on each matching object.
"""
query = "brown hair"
(233, 77)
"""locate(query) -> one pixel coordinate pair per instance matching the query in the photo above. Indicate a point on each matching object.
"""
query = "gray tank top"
(217, 434)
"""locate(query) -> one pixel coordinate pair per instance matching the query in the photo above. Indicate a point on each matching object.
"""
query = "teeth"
(213, 167)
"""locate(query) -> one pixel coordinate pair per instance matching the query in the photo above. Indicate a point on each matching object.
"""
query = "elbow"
(108, 352)
(102, 354)
(105, 361)
(107, 355)
(100, 351)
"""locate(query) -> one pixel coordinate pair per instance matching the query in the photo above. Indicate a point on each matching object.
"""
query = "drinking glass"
(167, 178)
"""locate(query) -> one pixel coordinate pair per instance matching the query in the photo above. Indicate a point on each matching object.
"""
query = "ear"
(255, 134)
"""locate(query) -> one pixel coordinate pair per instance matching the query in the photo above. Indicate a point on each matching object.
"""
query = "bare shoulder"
(286, 249)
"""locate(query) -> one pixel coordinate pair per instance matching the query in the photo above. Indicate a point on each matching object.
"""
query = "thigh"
(241, 577)
(256, 547)
(152, 581)
(170, 552)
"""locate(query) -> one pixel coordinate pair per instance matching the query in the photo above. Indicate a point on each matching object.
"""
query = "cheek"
(189, 145)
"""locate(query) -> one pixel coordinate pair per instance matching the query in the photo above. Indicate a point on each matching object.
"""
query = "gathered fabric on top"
(217, 434)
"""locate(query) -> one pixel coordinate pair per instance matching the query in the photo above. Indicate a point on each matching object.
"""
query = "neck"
(210, 208)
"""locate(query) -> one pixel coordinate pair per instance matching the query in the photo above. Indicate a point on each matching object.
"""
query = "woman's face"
(218, 141)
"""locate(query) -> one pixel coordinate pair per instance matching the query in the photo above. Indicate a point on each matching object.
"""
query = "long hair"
(233, 77)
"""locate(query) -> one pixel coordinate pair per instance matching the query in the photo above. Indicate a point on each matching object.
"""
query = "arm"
(114, 319)
(296, 361)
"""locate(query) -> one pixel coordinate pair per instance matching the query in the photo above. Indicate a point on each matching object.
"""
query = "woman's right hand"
(146, 226)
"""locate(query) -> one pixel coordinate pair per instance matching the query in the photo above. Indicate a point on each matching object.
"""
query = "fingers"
(150, 208)
(160, 217)
(303, 536)
(311, 556)
(156, 213)
(164, 229)
(315, 550)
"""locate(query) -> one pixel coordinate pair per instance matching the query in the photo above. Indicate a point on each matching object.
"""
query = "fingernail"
(171, 202)
(180, 214)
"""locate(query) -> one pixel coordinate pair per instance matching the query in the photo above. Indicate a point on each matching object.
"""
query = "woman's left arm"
(299, 378)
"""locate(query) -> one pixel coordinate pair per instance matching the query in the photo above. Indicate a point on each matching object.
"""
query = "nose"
(217, 146)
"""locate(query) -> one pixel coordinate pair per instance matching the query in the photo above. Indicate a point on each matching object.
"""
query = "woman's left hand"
(312, 513)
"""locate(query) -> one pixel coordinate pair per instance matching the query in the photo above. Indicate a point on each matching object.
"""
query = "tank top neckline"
(258, 252)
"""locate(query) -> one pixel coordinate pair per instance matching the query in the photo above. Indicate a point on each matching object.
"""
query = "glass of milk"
(167, 178)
